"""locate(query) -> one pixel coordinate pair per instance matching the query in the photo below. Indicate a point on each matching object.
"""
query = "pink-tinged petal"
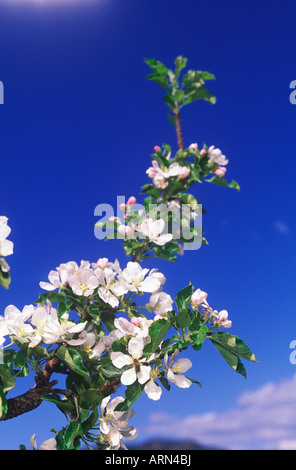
(124, 326)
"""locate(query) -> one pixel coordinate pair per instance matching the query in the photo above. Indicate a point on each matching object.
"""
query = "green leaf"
(4, 278)
(52, 296)
(232, 348)
(157, 66)
(200, 93)
(21, 361)
(63, 405)
(220, 181)
(7, 379)
(71, 436)
(73, 360)
(184, 297)
(180, 63)
(132, 393)
(172, 119)
(196, 76)
(3, 403)
(90, 398)
(157, 332)
(159, 79)
(199, 337)
(184, 318)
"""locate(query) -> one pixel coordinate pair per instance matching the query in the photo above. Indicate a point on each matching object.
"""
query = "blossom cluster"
(41, 323)
(161, 174)
(105, 283)
(199, 299)
(106, 279)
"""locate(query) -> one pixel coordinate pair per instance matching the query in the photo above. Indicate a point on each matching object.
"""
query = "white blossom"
(215, 156)
(59, 330)
(138, 280)
(161, 303)
(175, 370)
(114, 425)
(137, 371)
(83, 282)
(153, 230)
(6, 246)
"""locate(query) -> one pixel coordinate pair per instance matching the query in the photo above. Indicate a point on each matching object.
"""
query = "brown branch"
(178, 129)
(32, 398)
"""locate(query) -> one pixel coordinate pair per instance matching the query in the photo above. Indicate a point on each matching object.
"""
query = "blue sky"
(77, 129)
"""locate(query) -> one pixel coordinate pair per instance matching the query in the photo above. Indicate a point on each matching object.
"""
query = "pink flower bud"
(203, 153)
(136, 321)
(193, 146)
(198, 297)
(125, 230)
(184, 172)
(122, 206)
(220, 171)
(131, 201)
(157, 148)
(102, 262)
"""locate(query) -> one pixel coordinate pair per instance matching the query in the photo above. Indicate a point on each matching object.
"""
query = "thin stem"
(178, 128)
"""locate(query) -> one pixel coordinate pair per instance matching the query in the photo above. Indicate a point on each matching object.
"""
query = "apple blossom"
(161, 303)
(6, 246)
(60, 330)
(193, 146)
(109, 288)
(153, 229)
(184, 172)
(114, 425)
(198, 297)
(159, 181)
(175, 370)
(215, 155)
(138, 371)
(136, 278)
(84, 282)
(222, 319)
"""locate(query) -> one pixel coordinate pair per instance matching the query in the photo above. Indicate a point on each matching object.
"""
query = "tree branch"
(32, 398)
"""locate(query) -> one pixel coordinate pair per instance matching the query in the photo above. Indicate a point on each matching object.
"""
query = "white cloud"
(281, 227)
(262, 419)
